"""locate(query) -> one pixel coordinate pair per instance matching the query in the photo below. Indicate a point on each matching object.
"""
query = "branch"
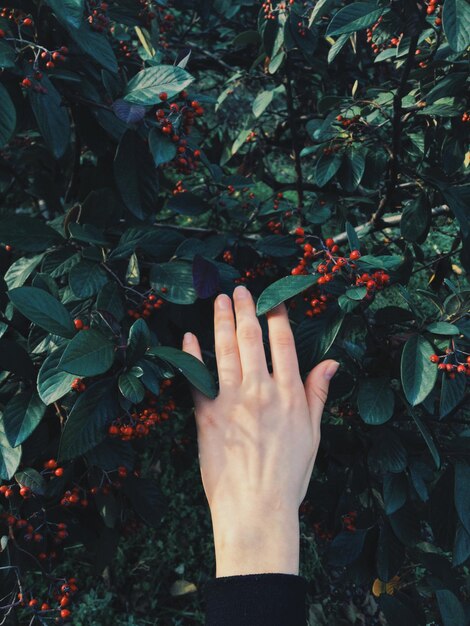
(388, 222)
(394, 163)
(295, 136)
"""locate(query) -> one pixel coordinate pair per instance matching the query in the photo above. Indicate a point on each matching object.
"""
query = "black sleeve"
(256, 600)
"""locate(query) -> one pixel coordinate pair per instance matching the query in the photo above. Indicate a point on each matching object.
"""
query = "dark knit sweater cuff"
(256, 600)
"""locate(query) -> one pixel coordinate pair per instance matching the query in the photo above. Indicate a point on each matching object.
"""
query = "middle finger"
(249, 335)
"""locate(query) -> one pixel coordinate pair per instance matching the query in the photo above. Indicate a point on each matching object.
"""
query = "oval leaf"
(418, 374)
(88, 354)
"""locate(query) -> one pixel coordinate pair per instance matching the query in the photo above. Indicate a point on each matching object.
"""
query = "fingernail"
(241, 291)
(223, 302)
(188, 337)
(331, 370)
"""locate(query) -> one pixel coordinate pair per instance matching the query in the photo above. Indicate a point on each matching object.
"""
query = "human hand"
(257, 439)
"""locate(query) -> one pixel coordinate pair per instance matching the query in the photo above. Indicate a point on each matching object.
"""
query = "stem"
(295, 136)
(397, 129)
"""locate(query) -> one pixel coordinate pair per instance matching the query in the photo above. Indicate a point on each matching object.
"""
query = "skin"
(258, 439)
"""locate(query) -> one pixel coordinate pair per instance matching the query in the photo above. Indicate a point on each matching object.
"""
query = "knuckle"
(282, 338)
(249, 332)
(227, 349)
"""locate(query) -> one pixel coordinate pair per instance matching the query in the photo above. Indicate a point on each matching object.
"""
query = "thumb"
(317, 385)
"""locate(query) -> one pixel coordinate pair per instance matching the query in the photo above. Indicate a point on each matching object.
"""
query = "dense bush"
(154, 154)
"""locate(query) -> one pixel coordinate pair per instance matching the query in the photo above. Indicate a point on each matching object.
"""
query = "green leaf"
(193, 369)
(416, 220)
(139, 341)
(452, 393)
(314, 337)
(277, 246)
(7, 114)
(261, 102)
(43, 310)
(188, 203)
(356, 293)
(68, 12)
(146, 498)
(375, 400)
(427, 438)
(442, 328)
(158, 243)
(353, 239)
(51, 116)
(7, 61)
(135, 175)
(352, 169)
(173, 281)
(29, 477)
(281, 290)
(146, 86)
(444, 107)
(21, 416)
(418, 374)
(389, 263)
(458, 199)
(163, 149)
(9, 457)
(96, 45)
(28, 234)
(86, 423)
(86, 279)
(461, 491)
(456, 23)
(326, 168)
(14, 358)
(131, 388)
(87, 233)
(387, 453)
(450, 607)
(21, 269)
(89, 353)
(110, 300)
(355, 16)
(395, 489)
(53, 383)
(346, 547)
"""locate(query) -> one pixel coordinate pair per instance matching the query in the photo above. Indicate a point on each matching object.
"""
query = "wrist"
(257, 544)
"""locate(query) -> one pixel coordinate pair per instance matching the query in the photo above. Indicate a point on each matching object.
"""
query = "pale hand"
(258, 439)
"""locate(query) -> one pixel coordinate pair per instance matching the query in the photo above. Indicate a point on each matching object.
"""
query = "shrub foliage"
(155, 154)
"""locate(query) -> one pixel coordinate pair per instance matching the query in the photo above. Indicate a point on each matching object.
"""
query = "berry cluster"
(147, 307)
(434, 8)
(262, 268)
(177, 120)
(63, 594)
(228, 257)
(331, 263)
(179, 188)
(270, 11)
(452, 363)
(98, 18)
(140, 423)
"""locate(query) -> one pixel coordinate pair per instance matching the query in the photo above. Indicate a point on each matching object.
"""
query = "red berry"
(434, 358)
(163, 96)
(65, 613)
(2, 33)
(299, 231)
(78, 324)
(26, 82)
(461, 369)
(355, 254)
(59, 471)
(27, 21)
(329, 242)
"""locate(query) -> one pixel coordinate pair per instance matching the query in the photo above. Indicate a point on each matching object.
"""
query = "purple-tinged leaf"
(206, 279)
(129, 113)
